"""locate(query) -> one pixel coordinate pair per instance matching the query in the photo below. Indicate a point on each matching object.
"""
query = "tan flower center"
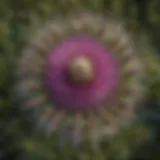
(81, 70)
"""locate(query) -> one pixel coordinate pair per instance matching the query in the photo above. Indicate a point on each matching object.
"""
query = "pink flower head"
(86, 96)
(81, 77)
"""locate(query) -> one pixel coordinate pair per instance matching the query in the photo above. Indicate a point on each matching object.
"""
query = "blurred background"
(17, 17)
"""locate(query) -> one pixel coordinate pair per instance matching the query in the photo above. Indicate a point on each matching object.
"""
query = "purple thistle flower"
(81, 77)
(66, 91)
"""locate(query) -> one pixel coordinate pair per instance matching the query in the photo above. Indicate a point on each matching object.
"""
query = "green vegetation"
(17, 18)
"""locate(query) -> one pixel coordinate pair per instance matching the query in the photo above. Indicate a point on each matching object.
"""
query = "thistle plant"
(81, 77)
(98, 126)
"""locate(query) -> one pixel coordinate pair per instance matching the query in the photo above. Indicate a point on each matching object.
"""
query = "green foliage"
(119, 147)
(17, 18)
